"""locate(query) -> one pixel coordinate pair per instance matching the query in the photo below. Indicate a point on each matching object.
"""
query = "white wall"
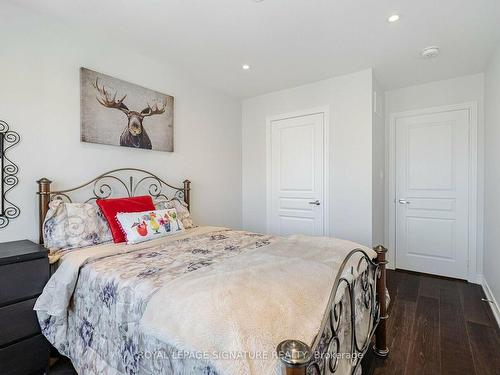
(492, 176)
(440, 93)
(378, 164)
(39, 98)
(349, 100)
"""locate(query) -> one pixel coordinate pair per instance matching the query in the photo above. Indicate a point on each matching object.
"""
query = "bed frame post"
(380, 347)
(186, 190)
(294, 356)
(43, 203)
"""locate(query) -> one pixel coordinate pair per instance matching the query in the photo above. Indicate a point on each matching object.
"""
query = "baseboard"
(476, 279)
(494, 304)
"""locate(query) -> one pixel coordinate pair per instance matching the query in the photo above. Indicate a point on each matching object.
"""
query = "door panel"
(429, 157)
(432, 193)
(438, 241)
(293, 225)
(297, 154)
(296, 164)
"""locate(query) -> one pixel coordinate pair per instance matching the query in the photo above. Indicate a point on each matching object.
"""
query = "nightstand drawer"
(22, 280)
(25, 356)
(18, 321)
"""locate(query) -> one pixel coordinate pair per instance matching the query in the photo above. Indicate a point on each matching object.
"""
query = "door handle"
(403, 201)
(316, 202)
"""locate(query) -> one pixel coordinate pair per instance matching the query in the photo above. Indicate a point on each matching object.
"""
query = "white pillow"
(147, 225)
(74, 225)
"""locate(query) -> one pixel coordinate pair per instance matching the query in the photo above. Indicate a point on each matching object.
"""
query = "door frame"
(472, 270)
(325, 110)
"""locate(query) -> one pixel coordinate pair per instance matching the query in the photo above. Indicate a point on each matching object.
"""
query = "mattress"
(92, 307)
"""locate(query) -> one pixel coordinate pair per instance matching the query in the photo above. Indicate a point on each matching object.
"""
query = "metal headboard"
(126, 182)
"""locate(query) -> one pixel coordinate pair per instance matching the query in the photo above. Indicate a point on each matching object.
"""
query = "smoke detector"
(430, 52)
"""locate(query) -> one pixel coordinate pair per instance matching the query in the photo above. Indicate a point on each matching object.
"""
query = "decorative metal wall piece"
(8, 174)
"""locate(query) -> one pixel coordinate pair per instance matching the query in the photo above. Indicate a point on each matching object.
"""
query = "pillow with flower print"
(181, 208)
(142, 226)
(74, 225)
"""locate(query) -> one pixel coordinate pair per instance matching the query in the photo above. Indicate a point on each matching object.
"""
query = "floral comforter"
(92, 307)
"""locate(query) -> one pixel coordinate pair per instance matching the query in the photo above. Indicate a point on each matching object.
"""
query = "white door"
(432, 168)
(297, 161)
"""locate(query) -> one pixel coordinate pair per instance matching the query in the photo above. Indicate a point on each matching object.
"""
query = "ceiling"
(292, 42)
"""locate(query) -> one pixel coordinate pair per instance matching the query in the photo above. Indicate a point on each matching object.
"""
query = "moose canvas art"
(116, 112)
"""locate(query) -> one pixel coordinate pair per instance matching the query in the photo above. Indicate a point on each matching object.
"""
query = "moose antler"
(150, 111)
(106, 99)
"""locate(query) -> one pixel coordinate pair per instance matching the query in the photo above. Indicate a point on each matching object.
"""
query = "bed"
(210, 300)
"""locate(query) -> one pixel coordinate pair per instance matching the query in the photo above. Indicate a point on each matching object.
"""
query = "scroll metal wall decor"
(8, 173)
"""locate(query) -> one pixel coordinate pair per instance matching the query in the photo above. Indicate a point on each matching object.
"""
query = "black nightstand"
(24, 271)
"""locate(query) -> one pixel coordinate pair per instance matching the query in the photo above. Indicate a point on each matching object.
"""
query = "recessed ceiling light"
(393, 18)
(430, 52)
(245, 67)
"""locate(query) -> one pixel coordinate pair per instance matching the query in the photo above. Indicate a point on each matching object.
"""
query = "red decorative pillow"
(110, 207)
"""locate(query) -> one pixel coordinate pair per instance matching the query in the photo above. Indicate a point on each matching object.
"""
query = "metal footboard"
(366, 277)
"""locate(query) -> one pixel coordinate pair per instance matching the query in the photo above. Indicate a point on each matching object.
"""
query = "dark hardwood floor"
(437, 326)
